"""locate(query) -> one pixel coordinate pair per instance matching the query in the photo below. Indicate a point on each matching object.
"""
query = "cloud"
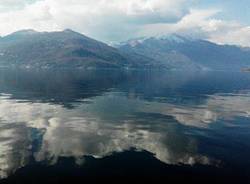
(112, 20)
(103, 19)
(13, 5)
(10, 3)
(239, 36)
(201, 24)
(195, 23)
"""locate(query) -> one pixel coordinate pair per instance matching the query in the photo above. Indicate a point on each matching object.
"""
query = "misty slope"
(183, 53)
(28, 48)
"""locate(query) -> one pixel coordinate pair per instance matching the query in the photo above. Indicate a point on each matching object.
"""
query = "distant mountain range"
(179, 52)
(69, 49)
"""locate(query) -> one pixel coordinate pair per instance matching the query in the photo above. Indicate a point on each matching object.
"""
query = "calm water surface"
(64, 126)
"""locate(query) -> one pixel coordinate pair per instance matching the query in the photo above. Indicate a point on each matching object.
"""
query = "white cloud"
(195, 23)
(103, 19)
(112, 20)
(13, 5)
(238, 36)
(10, 3)
(202, 24)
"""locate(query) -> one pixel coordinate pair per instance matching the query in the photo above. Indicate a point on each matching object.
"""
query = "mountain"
(65, 49)
(179, 52)
(69, 49)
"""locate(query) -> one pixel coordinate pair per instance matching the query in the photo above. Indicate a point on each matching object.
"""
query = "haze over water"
(85, 119)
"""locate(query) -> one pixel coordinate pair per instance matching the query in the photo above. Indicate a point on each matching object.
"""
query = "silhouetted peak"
(68, 30)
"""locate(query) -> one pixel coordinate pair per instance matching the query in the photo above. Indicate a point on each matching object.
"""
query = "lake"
(70, 126)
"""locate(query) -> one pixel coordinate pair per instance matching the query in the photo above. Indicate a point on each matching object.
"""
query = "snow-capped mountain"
(179, 52)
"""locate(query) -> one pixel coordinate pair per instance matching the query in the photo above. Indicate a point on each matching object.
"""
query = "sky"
(220, 21)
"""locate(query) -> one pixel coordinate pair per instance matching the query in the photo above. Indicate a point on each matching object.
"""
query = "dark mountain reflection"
(179, 118)
(59, 87)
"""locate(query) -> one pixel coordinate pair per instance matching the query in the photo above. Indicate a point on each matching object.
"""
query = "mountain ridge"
(61, 49)
(182, 52)
(69, 49)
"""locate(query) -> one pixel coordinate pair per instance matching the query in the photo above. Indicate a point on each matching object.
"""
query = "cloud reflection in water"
(109, 123)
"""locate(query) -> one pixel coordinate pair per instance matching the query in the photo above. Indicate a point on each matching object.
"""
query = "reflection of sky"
(14, 148)
(220, 106)
(110, 123)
